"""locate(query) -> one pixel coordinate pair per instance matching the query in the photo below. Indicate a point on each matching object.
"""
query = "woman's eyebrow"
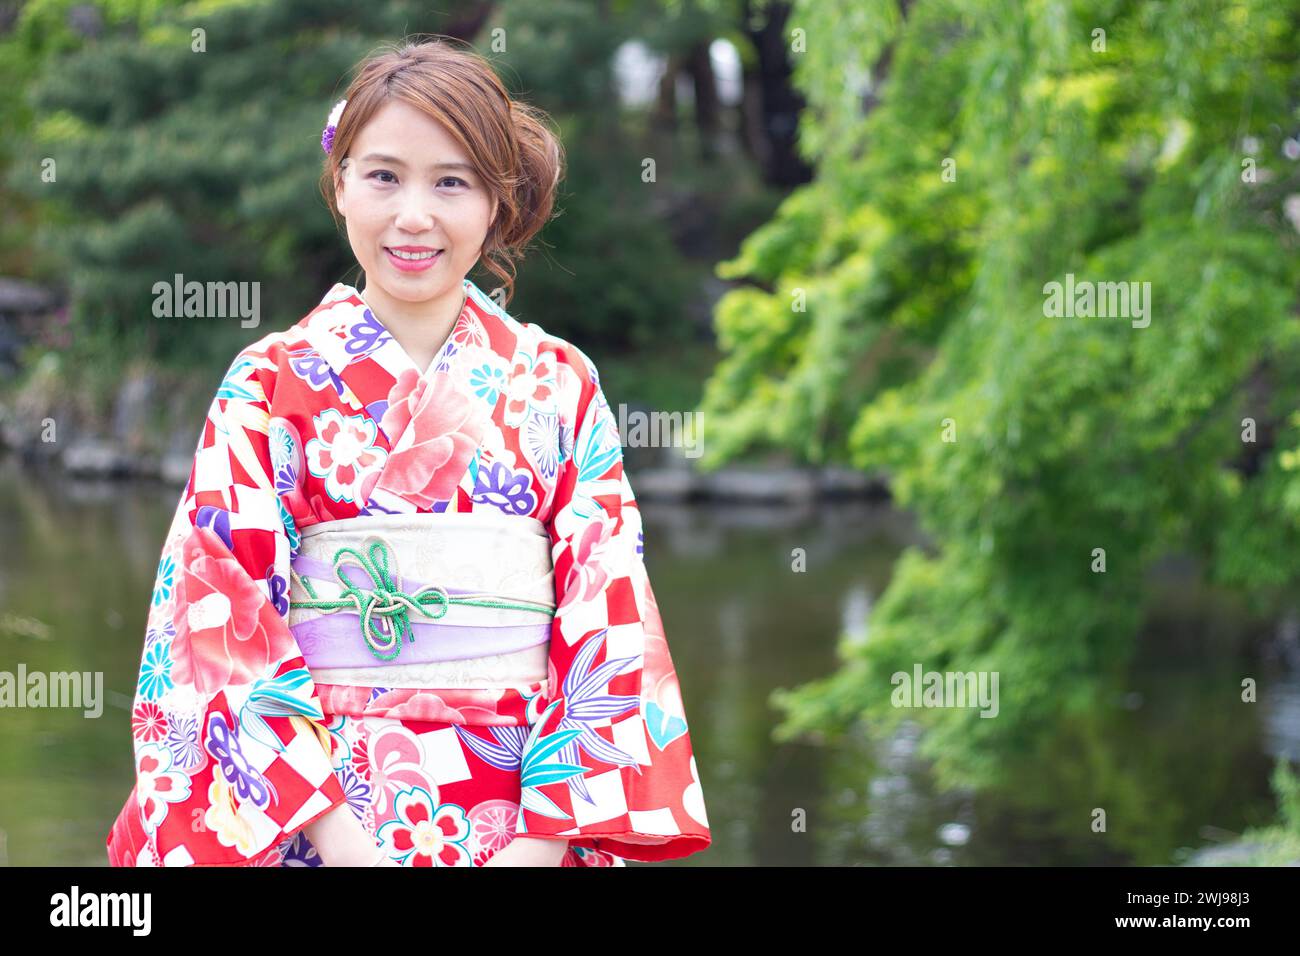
(394, 161)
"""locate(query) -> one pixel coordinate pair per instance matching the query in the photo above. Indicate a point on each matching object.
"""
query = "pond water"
(77, 564)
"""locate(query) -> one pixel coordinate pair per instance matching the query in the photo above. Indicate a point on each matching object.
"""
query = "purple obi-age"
(436, 600)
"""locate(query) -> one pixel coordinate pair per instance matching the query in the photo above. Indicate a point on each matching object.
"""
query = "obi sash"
(439, 600)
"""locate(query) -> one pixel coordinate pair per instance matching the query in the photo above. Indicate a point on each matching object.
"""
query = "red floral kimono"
(237, 748)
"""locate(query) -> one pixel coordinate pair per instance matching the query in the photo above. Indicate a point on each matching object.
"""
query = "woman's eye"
(393, 179)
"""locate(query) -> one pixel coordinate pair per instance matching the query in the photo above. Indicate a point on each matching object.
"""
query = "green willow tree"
(893, 315)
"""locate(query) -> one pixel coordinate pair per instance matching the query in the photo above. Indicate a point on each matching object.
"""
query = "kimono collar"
(350, 349)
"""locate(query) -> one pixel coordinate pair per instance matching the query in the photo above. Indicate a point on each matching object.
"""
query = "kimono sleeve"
(231, 755)
(609, 764)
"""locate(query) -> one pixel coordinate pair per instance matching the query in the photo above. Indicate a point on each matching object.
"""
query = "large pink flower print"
(227, 632)
(435, 429)
(587, 575)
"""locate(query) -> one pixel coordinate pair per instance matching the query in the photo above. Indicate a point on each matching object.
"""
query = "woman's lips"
(412, 265)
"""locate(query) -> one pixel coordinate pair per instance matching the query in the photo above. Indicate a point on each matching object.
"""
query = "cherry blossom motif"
(425, 833)
(157, 785)
(148, 722)
(531, 386)
(587, 575)
(344, 453)
(434, 428)
(227, 632)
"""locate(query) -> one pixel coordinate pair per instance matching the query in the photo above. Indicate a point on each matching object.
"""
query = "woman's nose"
(416, 213)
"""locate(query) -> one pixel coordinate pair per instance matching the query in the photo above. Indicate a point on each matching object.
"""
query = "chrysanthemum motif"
(156, 671)
(162, 589)
(148, 722)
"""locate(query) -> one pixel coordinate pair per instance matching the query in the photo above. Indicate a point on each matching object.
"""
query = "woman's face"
(409, 186)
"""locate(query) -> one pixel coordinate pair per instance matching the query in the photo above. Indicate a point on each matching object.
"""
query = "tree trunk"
(700, 67)
(778, 101)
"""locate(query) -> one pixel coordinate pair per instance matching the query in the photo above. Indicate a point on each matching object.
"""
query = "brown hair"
(509, 143)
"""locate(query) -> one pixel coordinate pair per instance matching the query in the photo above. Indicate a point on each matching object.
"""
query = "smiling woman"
(402, 616)
(410, 118)
(415, 230)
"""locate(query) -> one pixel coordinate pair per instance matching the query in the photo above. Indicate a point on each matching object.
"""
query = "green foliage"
(201, 162)
(205, 163)
(606, 274)
(1287, 787)
(926, 321)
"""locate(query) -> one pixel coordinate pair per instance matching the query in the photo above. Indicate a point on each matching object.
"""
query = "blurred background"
(830, 228)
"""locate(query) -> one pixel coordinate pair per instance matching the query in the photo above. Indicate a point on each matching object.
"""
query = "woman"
(401, 616)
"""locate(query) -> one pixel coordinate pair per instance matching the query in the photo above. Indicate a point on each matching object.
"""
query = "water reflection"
(1171, 756)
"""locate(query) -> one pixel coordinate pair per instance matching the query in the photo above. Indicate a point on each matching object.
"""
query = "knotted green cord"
(386, 599)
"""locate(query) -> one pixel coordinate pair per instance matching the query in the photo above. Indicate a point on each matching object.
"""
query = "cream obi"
(424, 600)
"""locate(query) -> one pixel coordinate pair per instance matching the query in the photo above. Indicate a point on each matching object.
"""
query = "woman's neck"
(420, 328)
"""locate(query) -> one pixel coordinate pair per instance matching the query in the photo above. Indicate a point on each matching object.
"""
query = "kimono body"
(504, 452)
